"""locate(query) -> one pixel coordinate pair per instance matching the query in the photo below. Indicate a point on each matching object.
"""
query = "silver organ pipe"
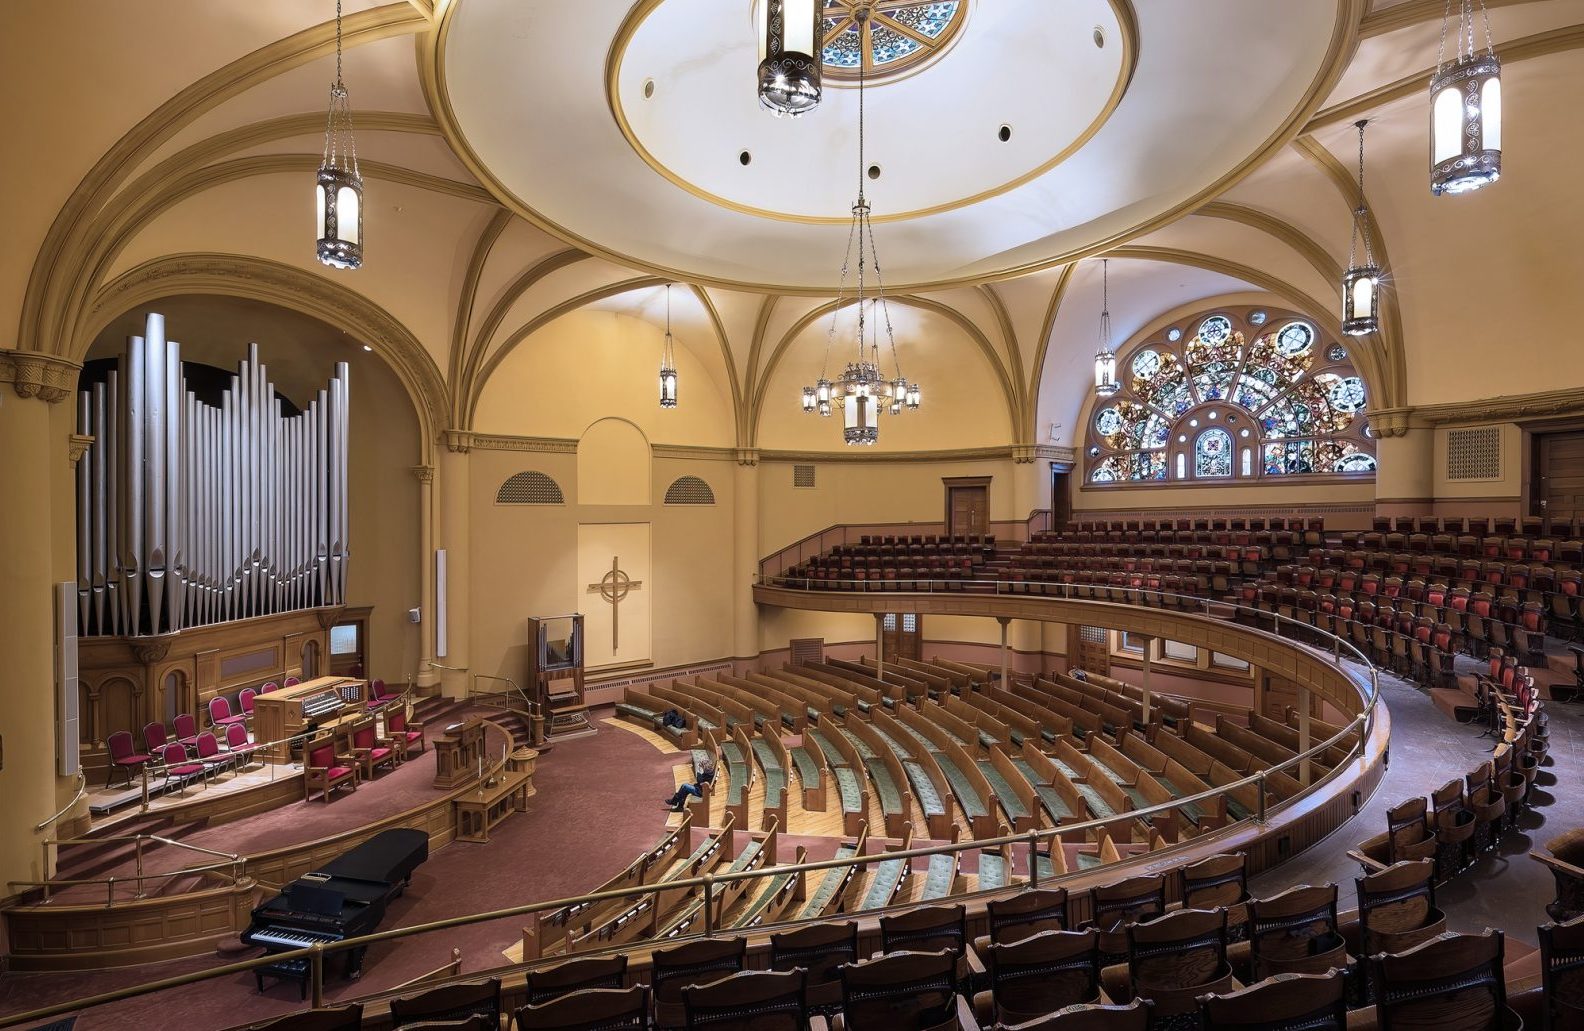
(191, 513)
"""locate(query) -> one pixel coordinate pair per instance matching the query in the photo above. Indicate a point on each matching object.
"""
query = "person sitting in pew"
(703, 775)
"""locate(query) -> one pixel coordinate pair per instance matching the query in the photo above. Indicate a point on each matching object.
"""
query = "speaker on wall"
(440, 603)
(68, 749)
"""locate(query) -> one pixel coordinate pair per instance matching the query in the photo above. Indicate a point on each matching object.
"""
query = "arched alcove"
(613, 461)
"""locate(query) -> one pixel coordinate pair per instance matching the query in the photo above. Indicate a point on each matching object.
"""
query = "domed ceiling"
(1002, 135)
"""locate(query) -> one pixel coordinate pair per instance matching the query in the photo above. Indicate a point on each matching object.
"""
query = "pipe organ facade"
(191, 514)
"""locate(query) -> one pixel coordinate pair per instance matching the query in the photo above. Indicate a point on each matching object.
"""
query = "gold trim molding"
(1505, 408)
(33, 374)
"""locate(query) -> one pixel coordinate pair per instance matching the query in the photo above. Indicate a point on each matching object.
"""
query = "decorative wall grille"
(689, 490)
(802, 476)
(1474, 454)
(530, 488)
(807, 649)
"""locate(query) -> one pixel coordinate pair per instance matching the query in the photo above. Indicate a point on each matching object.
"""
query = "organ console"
(292, 710)
(344, 899)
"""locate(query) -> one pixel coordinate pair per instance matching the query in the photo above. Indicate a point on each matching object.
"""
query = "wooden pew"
(831, 893)
(885, 772)
(912, 690)
(838, 700)
(841, 679)
(1051, 724)
(848, 772)
(771, 753)
(1058, 798)
(968, 783)
(930, 789)
(808, 758)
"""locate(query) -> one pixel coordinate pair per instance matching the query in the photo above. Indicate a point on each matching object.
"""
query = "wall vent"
(802, 476)
(689, 490)
(1474, 454)
(530, 488)
(807, 649)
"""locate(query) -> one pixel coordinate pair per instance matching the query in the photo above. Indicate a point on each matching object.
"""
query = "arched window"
(1289, 403)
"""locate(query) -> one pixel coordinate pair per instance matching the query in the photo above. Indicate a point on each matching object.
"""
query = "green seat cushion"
(992, 871)
(986, 740)
(882, 889)
(827, 886)
(938, 882)
(900, 750)
(1016, 737)
(676, 732)
(859, 745)
(746, 856)
(1088, 861)
(807, 768)
(967, 797)
(885, 786)
(629, 709)
(1048, 735)
(700, 757)
(1053, 802)
(847, 784)
(762, 901)
(1097, 805)
(924, 789)
(768, 759)
(1002, 787)
(1237, 810)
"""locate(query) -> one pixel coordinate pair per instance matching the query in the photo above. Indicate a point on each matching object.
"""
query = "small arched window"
(530, 488)
(1213, 453)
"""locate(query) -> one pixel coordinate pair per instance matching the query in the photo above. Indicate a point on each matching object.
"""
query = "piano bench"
(288, 969)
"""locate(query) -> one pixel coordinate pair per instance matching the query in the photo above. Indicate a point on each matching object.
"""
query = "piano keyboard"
(276, 937)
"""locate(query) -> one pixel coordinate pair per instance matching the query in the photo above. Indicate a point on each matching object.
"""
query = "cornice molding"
(1411, 12)
(1505, 408)
(756, 456)
(44, 376)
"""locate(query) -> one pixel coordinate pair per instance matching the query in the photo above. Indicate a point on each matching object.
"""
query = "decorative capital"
(35, 374)
(425, 473)
(330, 615)
(150, 652)
(457, 441)
(77, 445)
(1390, 422)
(1024, 454)
(747, 456)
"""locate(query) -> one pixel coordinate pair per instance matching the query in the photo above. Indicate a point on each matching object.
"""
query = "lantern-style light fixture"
(1105, 365)
(1361, 282)
(1465, 108)
(862, 392)
(339, 187)
(790, 42)
(668, 371)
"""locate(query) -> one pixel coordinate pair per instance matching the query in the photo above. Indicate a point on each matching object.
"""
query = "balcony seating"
(1295, 932)
(339, 1018)
(1174, 959)
(615, 1009)
(751, 1000)
(1562, 973)
(177, 767)
(371, 750)
(450, 1002)
(907, 991)
(575, 975)
(928, 929)
(404, 735)
(1454, 982)
(1454, 828)
(1564, 854)
(1396, 908)
(1314, 1001)
(1135, 1016)
(1218, 881)
(324, 770)
(819, 949)
(1023, 916)
(695, 962)
(1114, 906)
(1039, 975)
(124, 756)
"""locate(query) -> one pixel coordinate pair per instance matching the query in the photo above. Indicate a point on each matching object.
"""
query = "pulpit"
(459, 751)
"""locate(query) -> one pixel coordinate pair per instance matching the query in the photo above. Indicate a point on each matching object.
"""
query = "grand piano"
(345, 899)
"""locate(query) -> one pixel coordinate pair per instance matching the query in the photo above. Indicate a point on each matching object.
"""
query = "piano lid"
(386, 858)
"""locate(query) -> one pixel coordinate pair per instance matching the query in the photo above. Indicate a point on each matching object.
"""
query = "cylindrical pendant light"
(1105, 363)
(1361, 282)
(1465, 109)
(338, 189)
(789, 55)
(668, 372)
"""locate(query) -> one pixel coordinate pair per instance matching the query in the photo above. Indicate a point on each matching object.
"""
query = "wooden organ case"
(321, 703)
(555, 673)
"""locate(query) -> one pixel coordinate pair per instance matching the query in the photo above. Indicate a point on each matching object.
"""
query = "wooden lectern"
(555, 674)
(458, 753)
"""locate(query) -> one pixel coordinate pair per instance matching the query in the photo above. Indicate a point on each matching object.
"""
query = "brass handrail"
(82, 789)
(1360, 724)
(533, 707)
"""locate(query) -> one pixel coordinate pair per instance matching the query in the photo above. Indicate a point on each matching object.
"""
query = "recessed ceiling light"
(648, 88)
(1099, 37)
(874, 171)
(744, 158)
(1004, 134)
(367, 347)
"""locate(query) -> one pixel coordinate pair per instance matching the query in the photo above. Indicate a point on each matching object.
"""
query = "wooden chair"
(1488, 806)
(477, 1022)
(1564, 854)
(1174, 959)
(324, 770)
(1397, 909)
(450, 1002)
(1135, 1016)
(592, 1009)
(907, 991)
(1454, 828)
(928, 929)
(1314, 1002)
(1039, 975)
(752, 1000)
(1562, 975)
(694, 962)
(404, 734)
(369, 749)
(1022, 916)
(575, 975)
(338, 1018)
(1452, 983)
(1219, 881)
(1115, 905)
(1295, 932)
(820, 950)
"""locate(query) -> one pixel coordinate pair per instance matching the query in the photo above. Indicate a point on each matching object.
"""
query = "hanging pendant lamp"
(1465, 108)
(1105, 363)
(789, 33)
(1361, 282)
(668, 372)
(339, 188)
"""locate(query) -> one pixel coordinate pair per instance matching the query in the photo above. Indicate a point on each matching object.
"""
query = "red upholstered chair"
(292, 681)
(324, 771)
(238, 745)
(267, 688)
(210, 755)
(220, 714)
(186, 729)
(245, 702)
(155, 737)
(371, 750)
(405, 735)
(123, 756)
(178, 767)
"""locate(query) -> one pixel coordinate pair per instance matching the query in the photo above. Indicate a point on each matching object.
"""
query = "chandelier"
(668, 371)
(339, 192)
(862, 391)
(1361, 282)
(1105, 382)
(789, 55)
(1465, 108)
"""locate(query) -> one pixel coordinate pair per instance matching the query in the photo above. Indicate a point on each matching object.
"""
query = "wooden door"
(1090, 650)
(902, 636)
(1061, 499)
(970, 510)
(1560, 487)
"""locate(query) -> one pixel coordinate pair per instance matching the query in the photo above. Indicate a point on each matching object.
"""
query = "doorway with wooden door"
(1558, 486)
(901, 635)
(1061, 496)
(967, 504)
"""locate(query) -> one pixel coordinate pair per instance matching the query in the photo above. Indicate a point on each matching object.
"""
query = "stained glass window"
(1290, 401)
(895, 36)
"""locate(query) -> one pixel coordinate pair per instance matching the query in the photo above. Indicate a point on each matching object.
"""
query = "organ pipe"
(191, 513)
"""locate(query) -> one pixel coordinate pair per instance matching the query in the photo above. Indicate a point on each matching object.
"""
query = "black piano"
(345, 899)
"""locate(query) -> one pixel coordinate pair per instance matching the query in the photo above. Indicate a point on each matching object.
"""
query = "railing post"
(316, 973)
(138, 845)
(709, 905)
(110, 892)
(1034, 875)
(1261, 816)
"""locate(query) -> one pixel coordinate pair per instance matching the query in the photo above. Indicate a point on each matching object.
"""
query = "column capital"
(35, 374)
(424, 473)
(457, 441)
(747, 456)
(77, 445)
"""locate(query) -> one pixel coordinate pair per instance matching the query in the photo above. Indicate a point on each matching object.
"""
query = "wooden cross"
(613, 587)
